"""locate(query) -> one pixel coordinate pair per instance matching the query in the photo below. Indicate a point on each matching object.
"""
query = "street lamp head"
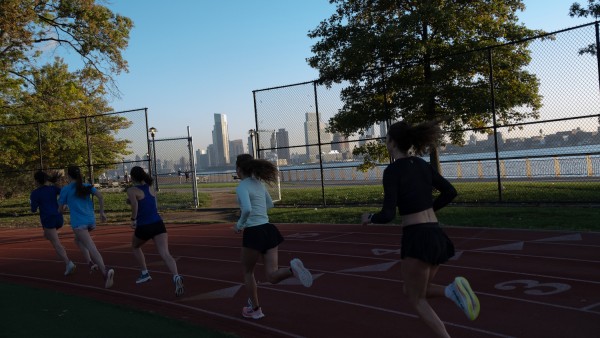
(152, 131)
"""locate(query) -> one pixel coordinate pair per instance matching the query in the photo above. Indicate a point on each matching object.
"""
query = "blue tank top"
(147, 211)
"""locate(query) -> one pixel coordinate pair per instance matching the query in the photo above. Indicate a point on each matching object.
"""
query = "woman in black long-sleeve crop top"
(408, 184)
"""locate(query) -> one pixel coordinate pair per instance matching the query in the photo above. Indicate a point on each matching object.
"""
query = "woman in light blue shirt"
(77, 197)
(260, 238)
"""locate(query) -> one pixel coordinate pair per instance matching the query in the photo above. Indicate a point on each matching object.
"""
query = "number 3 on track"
(533, 287)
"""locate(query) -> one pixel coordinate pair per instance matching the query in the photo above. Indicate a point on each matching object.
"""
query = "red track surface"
(530, 283)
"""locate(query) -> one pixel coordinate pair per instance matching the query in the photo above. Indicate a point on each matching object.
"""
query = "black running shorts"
(148, 231)
(262, 237)
(426, 242)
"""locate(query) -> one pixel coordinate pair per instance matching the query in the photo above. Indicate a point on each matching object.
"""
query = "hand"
(102, 216)
(236, 230)
(365, 219)
(133, 224)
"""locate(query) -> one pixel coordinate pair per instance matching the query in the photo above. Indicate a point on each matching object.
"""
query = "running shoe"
(301, 272)
(178, 280)
(70, 268)
(144, 277)
(93, 266)
(463, 296)
(108, 279)
(249, 312)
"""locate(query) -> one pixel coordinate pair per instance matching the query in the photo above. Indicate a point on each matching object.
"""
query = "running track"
(530, 283)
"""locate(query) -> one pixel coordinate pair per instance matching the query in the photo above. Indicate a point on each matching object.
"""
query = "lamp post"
(252, 132)
(153, 132)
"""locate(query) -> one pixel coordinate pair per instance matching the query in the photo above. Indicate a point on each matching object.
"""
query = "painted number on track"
(533, 287)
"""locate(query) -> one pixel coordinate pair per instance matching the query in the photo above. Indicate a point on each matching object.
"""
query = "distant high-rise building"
(283, 143)
(220, 137)
(202, 159)
(311, 136)
(340, 144)
(236, 147)
(211, 153)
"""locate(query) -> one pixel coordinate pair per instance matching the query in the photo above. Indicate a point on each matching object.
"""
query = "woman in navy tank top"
(149, 225)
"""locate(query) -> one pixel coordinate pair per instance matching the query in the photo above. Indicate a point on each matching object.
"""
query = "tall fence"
(81, 141)
(174, 171)
(554, 158)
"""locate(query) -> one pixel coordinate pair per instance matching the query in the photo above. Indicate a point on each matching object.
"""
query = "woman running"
(408, 183)
(77, 197)
(260, 238)
(149, 225)
(44, 199)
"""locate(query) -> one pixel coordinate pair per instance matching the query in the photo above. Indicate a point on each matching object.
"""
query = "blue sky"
(189, 59)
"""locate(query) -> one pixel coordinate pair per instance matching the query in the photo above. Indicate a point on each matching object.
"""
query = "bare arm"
(98, 195)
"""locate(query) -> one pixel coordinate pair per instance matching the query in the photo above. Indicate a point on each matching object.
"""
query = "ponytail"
(138, 174)
(80, 190)
(257, 168)
(419, 138)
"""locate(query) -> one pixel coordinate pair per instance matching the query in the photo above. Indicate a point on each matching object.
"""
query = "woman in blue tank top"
(149, 225)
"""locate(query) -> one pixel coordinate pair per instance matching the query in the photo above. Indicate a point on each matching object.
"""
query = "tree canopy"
(425, 60)
(33, 89)
(29, 29)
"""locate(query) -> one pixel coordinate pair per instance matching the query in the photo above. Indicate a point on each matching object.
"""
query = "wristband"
(370, 216)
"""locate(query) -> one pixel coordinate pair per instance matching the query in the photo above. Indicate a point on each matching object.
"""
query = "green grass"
(33, 312)
(471, 192)
(524, 217)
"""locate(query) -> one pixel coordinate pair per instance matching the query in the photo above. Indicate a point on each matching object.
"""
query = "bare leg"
(162, 245)
(83, 237)
(249, 259)
(273, 273)
(52, 236)
(416, 275)
(83, 249)
(136, 246)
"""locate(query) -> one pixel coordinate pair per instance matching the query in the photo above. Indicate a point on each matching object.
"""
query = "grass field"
(33, 312)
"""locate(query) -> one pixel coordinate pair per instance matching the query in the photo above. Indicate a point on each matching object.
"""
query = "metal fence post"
(493, 108)
(319, 142)
(193, 169)
(89, 148)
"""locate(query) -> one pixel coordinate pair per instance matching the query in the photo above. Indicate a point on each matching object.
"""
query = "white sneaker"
(108, 279)
(249, 312)
(178, 280)
(70, 268)
(301, 272)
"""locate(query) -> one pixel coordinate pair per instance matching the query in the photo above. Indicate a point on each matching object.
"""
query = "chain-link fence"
(105, 146)
(174, 172)
(517, 156)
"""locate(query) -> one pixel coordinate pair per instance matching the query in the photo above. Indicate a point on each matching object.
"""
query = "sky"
(190, 59)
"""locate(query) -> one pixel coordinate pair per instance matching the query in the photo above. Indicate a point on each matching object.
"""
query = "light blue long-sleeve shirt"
(254, 200)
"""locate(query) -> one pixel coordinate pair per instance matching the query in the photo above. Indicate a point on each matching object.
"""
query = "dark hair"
(257, 168)
(138, 174)
(420, 137)
(41, 177)
(80, 190)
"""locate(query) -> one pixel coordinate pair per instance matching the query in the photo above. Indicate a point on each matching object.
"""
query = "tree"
(410, 60)
(32, 91)
(30, 28)
(592, 10)
(62, 97)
